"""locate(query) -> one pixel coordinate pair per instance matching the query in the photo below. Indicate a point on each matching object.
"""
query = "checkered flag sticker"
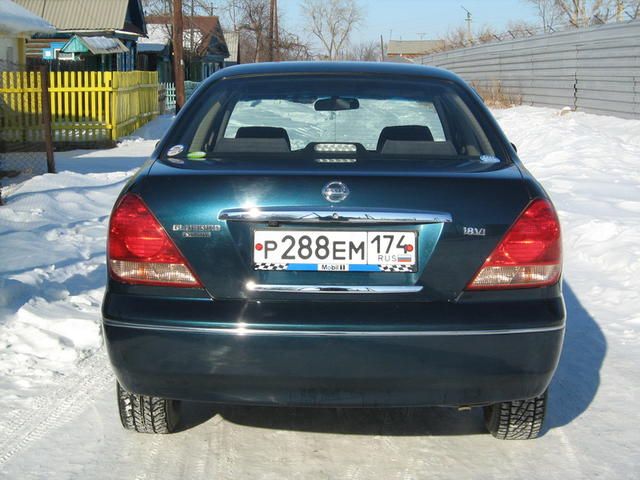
(395, 268)
(270, 266)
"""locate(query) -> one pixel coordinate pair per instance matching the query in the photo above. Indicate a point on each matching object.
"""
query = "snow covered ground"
(58, 417)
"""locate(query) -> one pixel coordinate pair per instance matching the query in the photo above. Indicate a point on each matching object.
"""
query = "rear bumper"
(253, 362)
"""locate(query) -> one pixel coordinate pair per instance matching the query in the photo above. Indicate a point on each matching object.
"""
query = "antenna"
(468, 20)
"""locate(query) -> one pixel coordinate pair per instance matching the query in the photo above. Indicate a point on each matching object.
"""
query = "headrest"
(263, 132)
(406, 133)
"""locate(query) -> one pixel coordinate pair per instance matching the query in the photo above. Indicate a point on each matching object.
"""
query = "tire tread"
(146, 414)
(517, 419)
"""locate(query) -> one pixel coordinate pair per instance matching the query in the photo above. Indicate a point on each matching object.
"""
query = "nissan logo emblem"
(335, 192)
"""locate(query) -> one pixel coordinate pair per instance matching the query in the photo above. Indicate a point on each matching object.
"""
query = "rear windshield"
(334, 119)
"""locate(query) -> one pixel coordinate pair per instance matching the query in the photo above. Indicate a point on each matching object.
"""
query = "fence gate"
(170, 94)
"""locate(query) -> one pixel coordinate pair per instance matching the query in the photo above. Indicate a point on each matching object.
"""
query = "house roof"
(94, 45)
(208, 37)
(17, 21)
(90, 15)
(150, 47)
(233, 44)
(413, 47)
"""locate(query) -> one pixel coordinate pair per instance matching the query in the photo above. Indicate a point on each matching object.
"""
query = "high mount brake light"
(529, 254)
(139, 250)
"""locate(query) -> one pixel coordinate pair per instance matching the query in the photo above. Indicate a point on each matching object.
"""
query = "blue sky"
(410, 18)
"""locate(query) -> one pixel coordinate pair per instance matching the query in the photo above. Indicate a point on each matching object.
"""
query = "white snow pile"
(16, 20)
(52, 263)
(590, 165)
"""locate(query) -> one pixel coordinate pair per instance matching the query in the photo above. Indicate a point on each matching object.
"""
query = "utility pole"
(189, 24)
(381, 49)
(274, 39)
(468, 20)
(276, 31)
(46, 119)
(178, 62)
(272, 7)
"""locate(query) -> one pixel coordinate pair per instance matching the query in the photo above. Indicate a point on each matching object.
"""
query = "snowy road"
(58, 415)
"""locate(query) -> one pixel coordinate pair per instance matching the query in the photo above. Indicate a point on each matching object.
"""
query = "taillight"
(529, 255)
(140, 251)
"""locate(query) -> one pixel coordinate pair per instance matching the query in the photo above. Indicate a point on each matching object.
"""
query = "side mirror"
(514, 147)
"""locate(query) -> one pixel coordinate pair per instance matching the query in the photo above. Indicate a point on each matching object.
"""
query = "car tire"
(517, 419)
(145, 414)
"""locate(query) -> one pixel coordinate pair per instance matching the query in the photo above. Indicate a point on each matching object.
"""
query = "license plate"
(334, 251)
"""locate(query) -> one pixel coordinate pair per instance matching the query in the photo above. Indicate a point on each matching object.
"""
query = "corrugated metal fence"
(595, 69)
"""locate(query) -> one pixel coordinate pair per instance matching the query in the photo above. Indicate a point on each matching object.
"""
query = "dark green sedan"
(334, 234)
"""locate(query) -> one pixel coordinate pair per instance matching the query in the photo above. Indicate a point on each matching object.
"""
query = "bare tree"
(486, 34)
(456, 38)
(156, 7)
(520, 29)
(582, 13)
(189, 7)
(332, 22)
(364, 51)
(549, 12)
(231, 12)
(292, 47)
(254, 15)
(250, 18)
(630, 9)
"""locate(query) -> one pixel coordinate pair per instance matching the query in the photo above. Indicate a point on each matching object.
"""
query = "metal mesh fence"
(16, 167)
(23, 142)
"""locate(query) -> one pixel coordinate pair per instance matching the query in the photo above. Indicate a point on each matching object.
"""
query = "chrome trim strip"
(256, 287)
(334, 215)
(242, 330)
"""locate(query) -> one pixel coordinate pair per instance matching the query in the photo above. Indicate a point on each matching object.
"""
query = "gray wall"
(594, 70)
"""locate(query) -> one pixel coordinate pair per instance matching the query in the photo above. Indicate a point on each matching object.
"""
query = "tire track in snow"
(48, 412)
(150, 466)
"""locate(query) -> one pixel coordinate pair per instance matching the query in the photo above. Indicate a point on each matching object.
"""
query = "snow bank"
(590, 166)
(16, 20)
(52, 262)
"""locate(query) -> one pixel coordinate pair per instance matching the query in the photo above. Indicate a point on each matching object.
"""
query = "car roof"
(371, 68)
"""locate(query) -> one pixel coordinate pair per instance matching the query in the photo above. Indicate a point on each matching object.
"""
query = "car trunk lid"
(458, 215)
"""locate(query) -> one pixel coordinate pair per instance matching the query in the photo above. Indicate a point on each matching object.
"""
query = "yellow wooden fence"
(86, 107)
